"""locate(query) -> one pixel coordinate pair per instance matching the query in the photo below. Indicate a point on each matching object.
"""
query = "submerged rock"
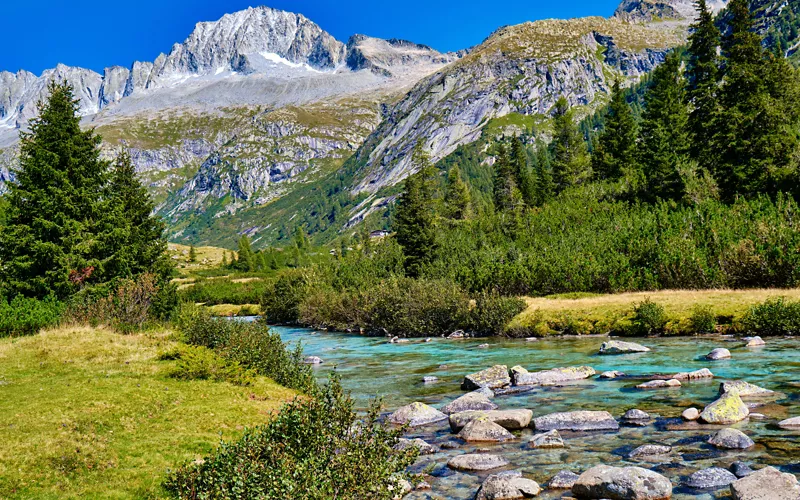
(620, 347)
(740, 469)
(690, 414)
(482, 429)
(731, 439)
(469, 401)
(660, 384)
(576, 421)
(710, 479)
(477, 462)
(521, 376)
(649, 450)
(550, 439)
(718, 353)
(743, 388)
(726, 410)
(494, 377)
(564, 480)
(416, 414)
(423, 446)
(766, 484)
(509, 419)
(635, 415)
(622, 483)
(700, 374)
(508, 485)
(313, 360)
(430, 379)
(790, 423)
(612, 374)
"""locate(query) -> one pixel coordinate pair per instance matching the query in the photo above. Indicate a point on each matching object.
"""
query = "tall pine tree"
(507, 196)
(522, 172)
(544, 187)
(414, 218)
(570, 160)
(457, 200)
(615, 150)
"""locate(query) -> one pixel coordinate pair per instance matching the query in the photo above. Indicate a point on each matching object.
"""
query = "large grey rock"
(507, 486)
(790, 423)
(564, 480)
(509, 419)
(549, 439)
(766, 484)
(718, 353)
(660, 384)
(745, 389)
(731, 439)
(754, 341)
(649, 450)
(576, 421)
(416, 414)
(620, 347)
(726, 410)
(482, 429)
(710, 479)
(469, 401)
(493, 378)
(423, 446)
(625, 483)
(520, 376)
(477, 462)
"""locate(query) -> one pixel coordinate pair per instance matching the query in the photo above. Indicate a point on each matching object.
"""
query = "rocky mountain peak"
(385, 56)
(662, 10)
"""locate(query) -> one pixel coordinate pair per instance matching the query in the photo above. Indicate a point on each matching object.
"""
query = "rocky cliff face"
(645, 11)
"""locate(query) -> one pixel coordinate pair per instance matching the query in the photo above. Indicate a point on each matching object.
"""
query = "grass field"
(88, 413)
(596, 312)
(207, 257)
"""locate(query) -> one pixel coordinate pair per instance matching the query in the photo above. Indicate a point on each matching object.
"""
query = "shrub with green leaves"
(25, 316)
(316, 448)
(703, 320)
(201, 363)
(649, 318)
(224, 291)
(284, 295)
(776, 316)
(493, 312)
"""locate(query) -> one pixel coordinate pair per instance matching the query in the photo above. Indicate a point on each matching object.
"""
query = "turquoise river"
(373, 367)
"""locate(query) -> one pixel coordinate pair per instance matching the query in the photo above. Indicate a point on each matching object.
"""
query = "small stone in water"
(483, 346)
(660, 384)
(713, 478)
(719, 353)
(650, 450)
(564, 480)
(636, 414)
(690, 414)
(731, 439)
(531, 339)
(612, 374)
(313, 360)
(741, 469)
(430, 379)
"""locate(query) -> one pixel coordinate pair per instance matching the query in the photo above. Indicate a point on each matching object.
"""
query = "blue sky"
(38, 34)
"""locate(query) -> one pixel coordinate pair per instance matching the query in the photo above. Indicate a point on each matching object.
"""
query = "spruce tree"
(224, 259)
(570, 160)
(457, 200)
(247, 259)
(522, 172)
(702, 86)
(414, 219)
(615, 150)
(664, 150)
(544, 187)
(54, 241)
(507, 196)
(192, 254)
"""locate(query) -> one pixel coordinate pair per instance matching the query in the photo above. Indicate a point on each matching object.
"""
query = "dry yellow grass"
(207, 257)
(235, 310)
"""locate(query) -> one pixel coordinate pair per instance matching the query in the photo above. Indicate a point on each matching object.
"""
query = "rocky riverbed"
(542, 440)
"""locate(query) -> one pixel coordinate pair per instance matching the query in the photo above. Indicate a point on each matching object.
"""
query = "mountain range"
(243, 125)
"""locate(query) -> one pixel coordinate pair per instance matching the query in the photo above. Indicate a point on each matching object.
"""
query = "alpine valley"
(261, 121)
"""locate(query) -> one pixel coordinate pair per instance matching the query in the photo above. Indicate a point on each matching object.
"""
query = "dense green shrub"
(777, 316)
(316, 448)
(197, 362)
(252, 345)
(24, 316)
(224, 291)
(649, 318)
(493, 312)
(703, 320)
(285, 294)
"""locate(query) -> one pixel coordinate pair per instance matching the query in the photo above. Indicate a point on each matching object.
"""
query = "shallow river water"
(373, 367)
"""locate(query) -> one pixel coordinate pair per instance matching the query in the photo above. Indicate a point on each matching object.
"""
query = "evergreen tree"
(54, 241)
(458, 204)
(224, 259)
(702, 85)
(301, 239)
(247, 260)
(544, 187)
(522, 172)
(507, 196)
(757, 129)
(615, 149)
(414, 219)
(664, 150)
(192, 254)
(570, 160)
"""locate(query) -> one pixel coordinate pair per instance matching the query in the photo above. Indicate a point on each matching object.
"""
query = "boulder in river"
(612, 374)
(731, 439)
(791, 424)
(695, 375)
(660, 384)
(477, 462)
(494, 377)
(766, 484)
(754, 341)
(635, 415)
(620, 347)
(521, 376)
(509, 419)
(745, 389)
(564, 480)
(423, 446)
(549, 439)
(718, 353)
(416, 414)
(482, 429)
(469, 401)
(577, 421)
(622, 483)
(713, 478)
(740, 469)
(313, 360)
(726, 410)
(458, 334)
(650, 450)
(690, 414)
(508, 485)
